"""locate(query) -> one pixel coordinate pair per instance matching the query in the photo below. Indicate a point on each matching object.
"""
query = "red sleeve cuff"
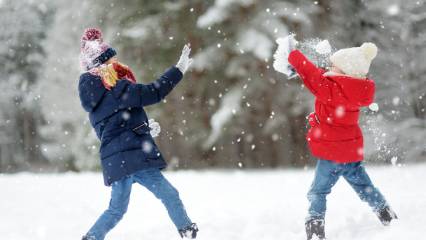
(295, 58)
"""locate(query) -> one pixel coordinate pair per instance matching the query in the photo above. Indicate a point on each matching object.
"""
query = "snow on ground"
(237, 205)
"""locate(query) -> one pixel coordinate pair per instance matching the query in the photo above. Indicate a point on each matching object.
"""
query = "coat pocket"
(142, 129)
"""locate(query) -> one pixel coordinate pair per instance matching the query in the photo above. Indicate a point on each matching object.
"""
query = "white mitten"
(155, 128)
(292, 42)
(184, 60)
(285, 46)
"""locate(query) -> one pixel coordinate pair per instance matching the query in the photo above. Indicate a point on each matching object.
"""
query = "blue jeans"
(155, 182)
(326, 175)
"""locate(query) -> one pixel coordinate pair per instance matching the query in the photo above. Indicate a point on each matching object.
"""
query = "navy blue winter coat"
(121, 124)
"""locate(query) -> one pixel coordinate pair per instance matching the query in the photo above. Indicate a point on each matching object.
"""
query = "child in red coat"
(335, 137)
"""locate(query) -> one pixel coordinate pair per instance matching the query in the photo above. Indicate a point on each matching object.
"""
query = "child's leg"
(358, 178)
(326, 176)
(120, 195)
(155, 182)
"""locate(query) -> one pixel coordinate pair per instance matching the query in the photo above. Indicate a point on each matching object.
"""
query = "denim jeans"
(326, 175)
(155, 182)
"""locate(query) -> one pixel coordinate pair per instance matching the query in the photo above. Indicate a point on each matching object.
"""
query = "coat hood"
(358, 91)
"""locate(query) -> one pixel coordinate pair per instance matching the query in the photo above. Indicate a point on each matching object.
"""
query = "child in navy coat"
(115, 103)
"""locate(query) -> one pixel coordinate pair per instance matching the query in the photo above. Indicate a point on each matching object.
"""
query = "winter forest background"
(232, 110)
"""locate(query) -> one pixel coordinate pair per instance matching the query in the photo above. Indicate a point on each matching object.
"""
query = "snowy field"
(237, 205)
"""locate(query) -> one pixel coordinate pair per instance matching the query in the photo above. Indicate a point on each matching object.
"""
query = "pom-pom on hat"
(355, 61)
(93, 50)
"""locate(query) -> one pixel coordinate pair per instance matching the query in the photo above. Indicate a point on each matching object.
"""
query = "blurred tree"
(68, 143)
(22, 28)
(398, 28)
(232, 109)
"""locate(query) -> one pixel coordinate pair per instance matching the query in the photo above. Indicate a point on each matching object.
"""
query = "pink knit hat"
(93, 50)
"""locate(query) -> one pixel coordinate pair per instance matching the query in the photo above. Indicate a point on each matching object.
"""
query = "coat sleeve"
(147, 94)
(366, 93)
(311, 75)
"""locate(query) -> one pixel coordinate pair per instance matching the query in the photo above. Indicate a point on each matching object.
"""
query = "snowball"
(316, 50)
(155, 128)
(281, 63)
(374, 107)
(323, 47)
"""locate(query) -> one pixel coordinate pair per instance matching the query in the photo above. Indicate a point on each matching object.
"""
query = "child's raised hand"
(285, 46)
(185, 61)
(292, 42)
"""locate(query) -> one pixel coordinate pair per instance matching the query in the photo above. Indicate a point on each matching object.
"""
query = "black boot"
(386, 215)
(189, 232)
(315, 227)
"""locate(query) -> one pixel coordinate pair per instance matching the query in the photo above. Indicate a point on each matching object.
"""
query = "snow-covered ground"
(237, 205)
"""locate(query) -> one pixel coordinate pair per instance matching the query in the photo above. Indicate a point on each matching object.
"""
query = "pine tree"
(22, 32)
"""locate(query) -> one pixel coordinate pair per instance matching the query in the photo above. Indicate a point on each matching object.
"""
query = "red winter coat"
(334, 134)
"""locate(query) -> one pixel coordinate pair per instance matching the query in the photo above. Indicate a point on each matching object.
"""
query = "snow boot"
(315, 229)
(386, 215)
(189, 232)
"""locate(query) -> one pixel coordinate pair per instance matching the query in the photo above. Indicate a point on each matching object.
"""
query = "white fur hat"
(355, 61)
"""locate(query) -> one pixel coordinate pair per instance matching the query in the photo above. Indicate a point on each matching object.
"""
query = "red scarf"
(111, 73)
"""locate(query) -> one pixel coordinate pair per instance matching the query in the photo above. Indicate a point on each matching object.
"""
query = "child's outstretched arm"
(129, 94)
(311, 75)
(156, 91)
